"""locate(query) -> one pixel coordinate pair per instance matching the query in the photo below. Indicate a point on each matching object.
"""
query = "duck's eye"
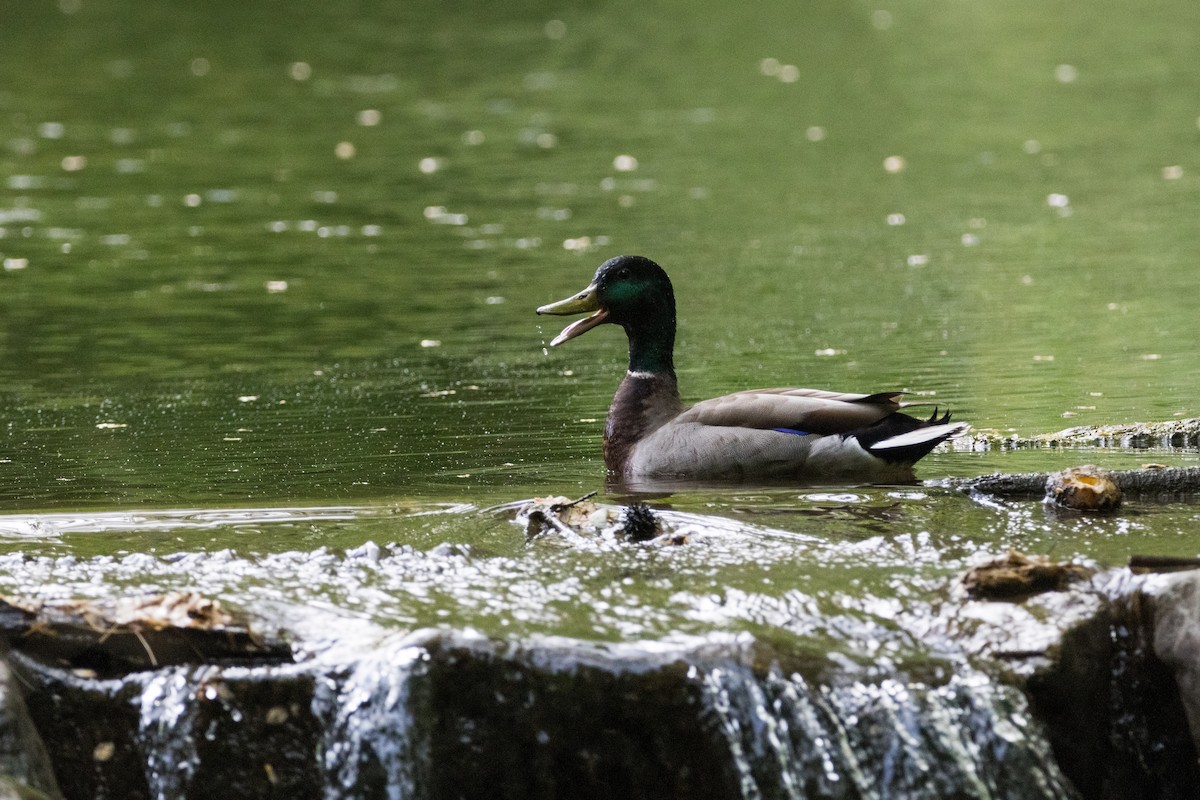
(622, 273)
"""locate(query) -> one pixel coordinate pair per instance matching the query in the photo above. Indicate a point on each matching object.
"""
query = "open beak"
(580, 303)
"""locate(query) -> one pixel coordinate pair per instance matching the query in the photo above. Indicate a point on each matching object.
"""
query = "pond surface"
(269, 275)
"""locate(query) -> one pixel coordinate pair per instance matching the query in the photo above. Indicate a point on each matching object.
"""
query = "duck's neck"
(652, 345)
(644, 402)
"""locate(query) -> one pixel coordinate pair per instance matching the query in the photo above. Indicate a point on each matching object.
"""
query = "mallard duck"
(803, 434)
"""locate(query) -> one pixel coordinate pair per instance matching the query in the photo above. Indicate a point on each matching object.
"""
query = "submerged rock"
(1017, 576)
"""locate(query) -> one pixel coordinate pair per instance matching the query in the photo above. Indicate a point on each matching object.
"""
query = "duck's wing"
(794, 410)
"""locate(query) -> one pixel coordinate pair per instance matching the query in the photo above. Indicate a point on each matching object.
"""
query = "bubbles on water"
(192, 200)
(429, 165)
(276, 287)
(199, 66)
(917, 260)
(300, 71)
(881, 20)
(969, 240)
(555, 29)
(74, 163)
(1172, 173)
(344, 150)
(894, 164)
(896, 219)
(369, 117)
(1032, 147)
(815, 133)
(474, 138)
(51, 130)
(14, 264)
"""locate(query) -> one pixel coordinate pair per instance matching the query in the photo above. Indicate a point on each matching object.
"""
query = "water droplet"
(894, 164)
(896, 219)
(300, 71)
(815, 133)
(344, 150)
(1065, 73)
(369, 117)
(429, 165)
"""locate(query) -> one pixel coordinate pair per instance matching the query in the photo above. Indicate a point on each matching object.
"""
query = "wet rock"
(1174, 608)
(1109, 705)
(1017, 576)
(1085, 488)
(25, 769)
(181, 732)
(120, 635)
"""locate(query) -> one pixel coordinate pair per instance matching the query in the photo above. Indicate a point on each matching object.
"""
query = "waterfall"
(891, 739)
(369, 749)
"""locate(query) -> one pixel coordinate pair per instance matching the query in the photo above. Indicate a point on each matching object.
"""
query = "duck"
(788, 434)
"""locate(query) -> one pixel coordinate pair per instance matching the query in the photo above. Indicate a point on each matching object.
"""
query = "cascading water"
(369, 748)
(969, 738)
(166, 728)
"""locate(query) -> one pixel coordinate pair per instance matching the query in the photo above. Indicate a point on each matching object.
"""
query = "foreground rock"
(1067, 688)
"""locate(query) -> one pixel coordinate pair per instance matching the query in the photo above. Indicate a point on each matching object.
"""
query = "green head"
(635, 293)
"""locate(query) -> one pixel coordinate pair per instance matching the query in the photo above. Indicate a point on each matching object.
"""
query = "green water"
(268, 254)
